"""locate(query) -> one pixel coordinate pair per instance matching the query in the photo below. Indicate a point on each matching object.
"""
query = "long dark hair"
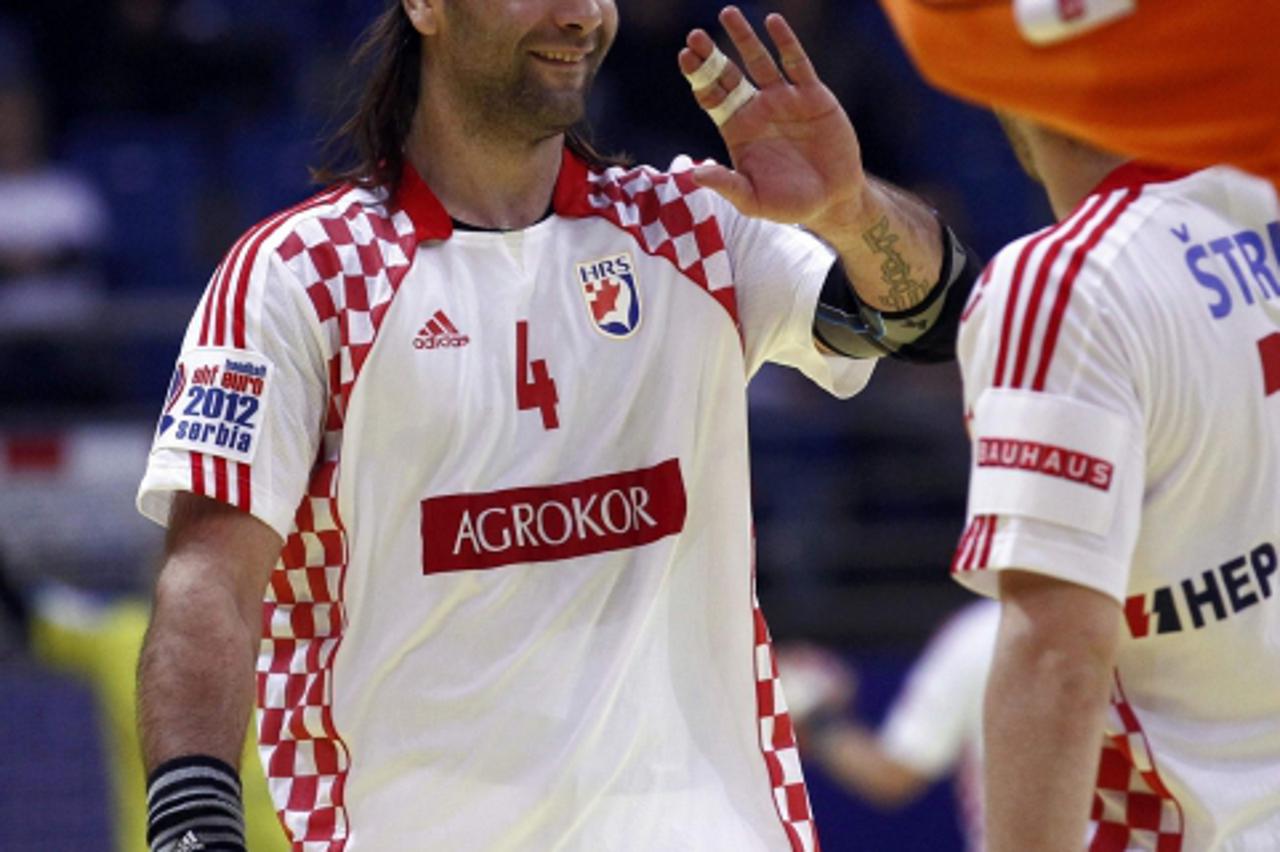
(368, 149)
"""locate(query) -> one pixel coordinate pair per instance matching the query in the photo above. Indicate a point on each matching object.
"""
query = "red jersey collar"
(1134, 175)
(432, 222)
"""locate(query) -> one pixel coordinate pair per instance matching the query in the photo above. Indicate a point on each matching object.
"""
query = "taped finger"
(741, 93)
(709, 71)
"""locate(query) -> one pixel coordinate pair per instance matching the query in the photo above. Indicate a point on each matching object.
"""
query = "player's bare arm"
(196, 673)
(796, 159)
(1045, 708)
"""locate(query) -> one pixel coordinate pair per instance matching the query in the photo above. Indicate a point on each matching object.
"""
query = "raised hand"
(794, 151)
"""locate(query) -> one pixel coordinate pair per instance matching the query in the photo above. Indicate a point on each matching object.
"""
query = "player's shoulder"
(310, 236)
(1216, 190)
(338, 227)
(638, 176)
(647, 191)
(1063, 276)
(345, 244)
(1111, 228)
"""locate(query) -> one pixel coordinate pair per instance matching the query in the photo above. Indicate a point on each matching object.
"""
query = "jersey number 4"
(534, 386)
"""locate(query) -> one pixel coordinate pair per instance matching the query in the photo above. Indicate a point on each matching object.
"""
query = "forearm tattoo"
(903, 291)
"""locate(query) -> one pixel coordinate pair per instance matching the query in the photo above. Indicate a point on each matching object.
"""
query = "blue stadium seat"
(267, 164)
(150, 172)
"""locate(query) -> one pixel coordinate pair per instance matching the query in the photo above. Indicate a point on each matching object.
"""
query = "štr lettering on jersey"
(1253, 258)
(545, 523)
(216, 404)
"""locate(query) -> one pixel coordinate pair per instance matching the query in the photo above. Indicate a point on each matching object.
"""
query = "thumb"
(736, 188)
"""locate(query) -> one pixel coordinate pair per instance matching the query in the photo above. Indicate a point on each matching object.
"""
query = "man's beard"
(523, 108)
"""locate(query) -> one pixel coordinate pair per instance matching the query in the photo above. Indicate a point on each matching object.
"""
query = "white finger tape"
(709, 71)
(741, 93)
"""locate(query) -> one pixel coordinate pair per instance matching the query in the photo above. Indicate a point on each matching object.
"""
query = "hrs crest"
(609, 289)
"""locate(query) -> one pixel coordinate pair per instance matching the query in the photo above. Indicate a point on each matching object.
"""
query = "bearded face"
(516, 68)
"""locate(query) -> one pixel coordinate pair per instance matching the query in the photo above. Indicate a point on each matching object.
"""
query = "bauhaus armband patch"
(1046, 457)
(216, 404)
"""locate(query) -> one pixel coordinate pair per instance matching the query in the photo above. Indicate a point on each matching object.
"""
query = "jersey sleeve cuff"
(1051, 559)
(838, 375)
(166, 477)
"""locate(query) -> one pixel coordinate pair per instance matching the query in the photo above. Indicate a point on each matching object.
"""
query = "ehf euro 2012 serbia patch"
(612, 298)
(216, 404)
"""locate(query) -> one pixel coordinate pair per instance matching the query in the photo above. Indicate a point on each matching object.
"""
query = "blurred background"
(138, 138)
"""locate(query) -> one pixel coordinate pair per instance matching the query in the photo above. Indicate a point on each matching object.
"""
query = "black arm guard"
(923, 334)
(193, 803)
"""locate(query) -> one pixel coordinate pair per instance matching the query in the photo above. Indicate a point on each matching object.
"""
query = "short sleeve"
(243, 417)
(938, 713)
(1055, 420)
(778, 273)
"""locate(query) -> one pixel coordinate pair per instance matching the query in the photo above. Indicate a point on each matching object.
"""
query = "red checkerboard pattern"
(352, 258)
(670, 217)
(1132, 807)
(778, 742)
(304, 757)
(352, 263)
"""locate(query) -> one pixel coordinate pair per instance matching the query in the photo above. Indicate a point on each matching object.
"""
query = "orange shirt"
(1183, 83)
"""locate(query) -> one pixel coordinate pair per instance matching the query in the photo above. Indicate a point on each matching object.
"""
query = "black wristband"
(193, 803)
(924, 333)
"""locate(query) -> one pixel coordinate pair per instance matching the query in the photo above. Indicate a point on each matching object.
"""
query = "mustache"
(588, 46)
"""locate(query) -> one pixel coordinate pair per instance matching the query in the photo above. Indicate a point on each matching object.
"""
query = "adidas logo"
(440, 333)
(188, 843)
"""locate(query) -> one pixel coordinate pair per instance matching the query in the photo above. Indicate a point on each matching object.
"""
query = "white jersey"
(1122, 376)
(934, 726)
(515, 606)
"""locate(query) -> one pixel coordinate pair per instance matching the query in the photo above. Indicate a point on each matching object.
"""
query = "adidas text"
(442, 341)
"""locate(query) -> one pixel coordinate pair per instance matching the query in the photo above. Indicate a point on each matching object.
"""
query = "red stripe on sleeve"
(1041, 284)
(958, 561)
(244, 486)
(988, 537)
(1011, 306)
(972, 562)
(1068, 281)
(197, 474)
(266, 229)
(221, 490)
(977, 293)
(217, 292)
(208, 304)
